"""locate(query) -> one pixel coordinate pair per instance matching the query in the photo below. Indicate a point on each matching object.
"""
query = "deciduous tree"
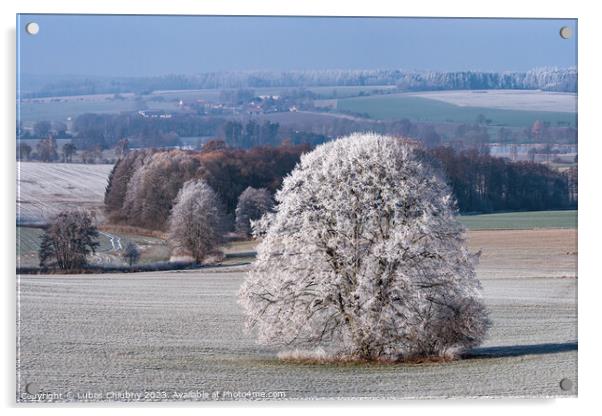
(47, 149)
(196, 223)
(252, 205)
(131, 253)
(69, 150)
(68, 240)
(365, 258)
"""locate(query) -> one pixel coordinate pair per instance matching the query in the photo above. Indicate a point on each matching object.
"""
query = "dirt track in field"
(181, 332)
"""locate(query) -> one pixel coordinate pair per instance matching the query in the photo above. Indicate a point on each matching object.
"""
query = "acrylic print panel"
(219, 208)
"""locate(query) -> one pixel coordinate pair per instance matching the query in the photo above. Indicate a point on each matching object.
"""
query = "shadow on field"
(520, 350)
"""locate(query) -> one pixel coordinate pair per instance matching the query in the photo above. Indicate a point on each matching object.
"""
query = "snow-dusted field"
(507, 99)
(44, 189)
(161, 335)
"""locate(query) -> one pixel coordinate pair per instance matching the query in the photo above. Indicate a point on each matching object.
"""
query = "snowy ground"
(167, 334)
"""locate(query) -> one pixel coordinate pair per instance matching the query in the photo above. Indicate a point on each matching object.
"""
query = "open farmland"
(419, 108)
(31, 111)
(44, 189)
(177, 332)
(525, 100)
(325, 92)
(61, 108)
(306, 120)
(518, 254)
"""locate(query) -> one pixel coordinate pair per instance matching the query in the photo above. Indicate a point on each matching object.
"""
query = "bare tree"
(68, 240)
(69, 150)
(364, 258)
(252, 205)
(47, 149)
(196, 223)
(131, 253)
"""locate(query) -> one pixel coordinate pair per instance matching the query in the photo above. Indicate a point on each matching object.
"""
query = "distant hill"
(547, 79)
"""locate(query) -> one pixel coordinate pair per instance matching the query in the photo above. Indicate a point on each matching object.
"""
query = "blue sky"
(158, 45)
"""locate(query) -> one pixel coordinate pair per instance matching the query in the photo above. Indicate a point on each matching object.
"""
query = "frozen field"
(43, 189)
(527, 100)
(158, 335)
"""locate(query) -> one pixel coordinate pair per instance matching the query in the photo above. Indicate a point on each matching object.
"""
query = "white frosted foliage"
(252, 205)
(363, 257)
(196, 223)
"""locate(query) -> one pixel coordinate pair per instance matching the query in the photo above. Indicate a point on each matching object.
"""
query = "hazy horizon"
(147, 46)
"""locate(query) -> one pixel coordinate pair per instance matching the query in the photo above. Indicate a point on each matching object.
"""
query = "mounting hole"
(32, 388)
(32, 28)
(565, 32)
(566, 384)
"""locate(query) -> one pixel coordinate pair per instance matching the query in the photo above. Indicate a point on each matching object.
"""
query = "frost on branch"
(196, 223)
(252, 205)
(364, 258)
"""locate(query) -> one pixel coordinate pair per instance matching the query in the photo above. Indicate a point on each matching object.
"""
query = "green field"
(30, 111)
(321, 92)
(521, 220)
(44, 109)
(401, 106)
(28, 239)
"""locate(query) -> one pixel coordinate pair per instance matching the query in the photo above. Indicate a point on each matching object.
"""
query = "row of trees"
(42, 129)
(482, 183)
(551, 79)
(107, 130)
(47, 150)
(251, 134)
(144, 183)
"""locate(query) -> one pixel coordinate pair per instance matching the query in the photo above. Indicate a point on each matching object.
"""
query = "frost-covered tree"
(154, 185)
(196, 223)
(363, 257)
(252, 204)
